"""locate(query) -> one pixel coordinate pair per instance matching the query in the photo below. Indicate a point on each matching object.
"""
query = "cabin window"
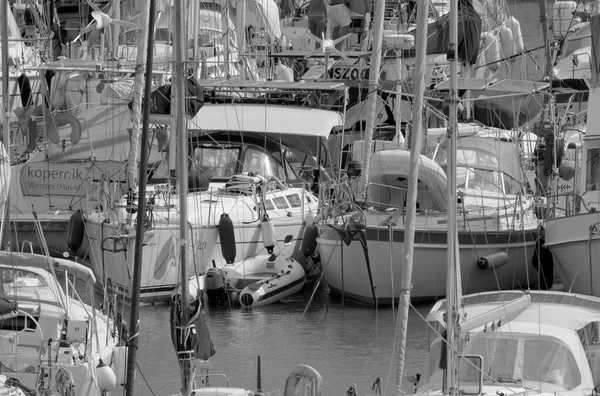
(593, 170)
(484, 180)
(269, 205)
(294, 200)
(511, 185)
(280, 203)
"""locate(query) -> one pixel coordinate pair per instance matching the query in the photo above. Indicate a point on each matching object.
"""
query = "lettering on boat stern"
(37, 179)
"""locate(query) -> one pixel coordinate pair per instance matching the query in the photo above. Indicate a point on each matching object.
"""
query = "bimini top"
(266, 118)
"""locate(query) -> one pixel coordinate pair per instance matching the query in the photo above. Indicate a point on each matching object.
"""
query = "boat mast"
(140, 70)
(179, 80)
(141, 213)
(413, 181)
(452, 257)
(4, 10)
(372, 94)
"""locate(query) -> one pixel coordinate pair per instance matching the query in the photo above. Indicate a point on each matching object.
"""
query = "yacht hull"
(372, 273)
(112, 252)
(574, 243)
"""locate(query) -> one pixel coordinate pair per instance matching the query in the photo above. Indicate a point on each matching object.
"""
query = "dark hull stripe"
(464, 237)
(282, 289)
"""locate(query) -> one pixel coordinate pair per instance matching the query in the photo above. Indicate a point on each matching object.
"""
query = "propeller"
(102, 20)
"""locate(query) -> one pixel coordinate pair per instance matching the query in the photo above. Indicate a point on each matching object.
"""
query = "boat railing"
(571, 205)
(334, 192)
(204, 379)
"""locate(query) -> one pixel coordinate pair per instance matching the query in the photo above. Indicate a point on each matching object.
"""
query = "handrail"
(578, 199)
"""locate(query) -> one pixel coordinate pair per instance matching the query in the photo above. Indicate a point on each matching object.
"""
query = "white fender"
(119, 363)
(491, 50)
(515, 26)
(562, 17)
(507, 42)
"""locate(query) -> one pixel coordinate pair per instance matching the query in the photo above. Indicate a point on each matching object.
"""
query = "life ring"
(60, 120)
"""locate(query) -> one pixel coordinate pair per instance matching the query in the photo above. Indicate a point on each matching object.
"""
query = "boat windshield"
(540, 361)
(486, 180)
(14, 281)
(534, 361)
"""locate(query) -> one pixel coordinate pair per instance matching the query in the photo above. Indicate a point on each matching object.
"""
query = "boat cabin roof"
(37, 261)
(566, 310)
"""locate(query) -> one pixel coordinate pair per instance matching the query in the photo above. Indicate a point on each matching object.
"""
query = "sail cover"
(469, 33)
(160, 99)
(191, 337)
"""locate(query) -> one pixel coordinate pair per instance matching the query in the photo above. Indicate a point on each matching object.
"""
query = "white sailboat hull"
(347, 273)
(572, 246)
(113, 258)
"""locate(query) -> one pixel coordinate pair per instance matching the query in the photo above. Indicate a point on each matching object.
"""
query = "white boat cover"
(567, 310)
(284, 120)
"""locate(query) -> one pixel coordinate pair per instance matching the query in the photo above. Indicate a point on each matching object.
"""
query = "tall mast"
(140, 69)
(413, 180)
(452, 259)
(372, 95)
(5, 235)
(179, 80)
(141, 213)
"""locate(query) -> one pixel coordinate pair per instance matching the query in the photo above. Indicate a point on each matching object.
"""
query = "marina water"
(348, 344)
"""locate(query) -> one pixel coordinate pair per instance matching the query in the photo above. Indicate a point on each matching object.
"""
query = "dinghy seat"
(303, 381)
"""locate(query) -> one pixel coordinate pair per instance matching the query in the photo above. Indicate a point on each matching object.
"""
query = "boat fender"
(492, 261)
(75, 231)
(31, 136)
(566, 170)
(119, 363)
(542, 257)
(507, 42)
(227, 237)
(25, 88)
(562, 17)
(309, 239)
(268, 233)
(63, 119)
(515, 26)
(107, 380)
(491, 51)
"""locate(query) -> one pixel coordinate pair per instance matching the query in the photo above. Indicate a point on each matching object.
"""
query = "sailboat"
(361, 242)
(572, 228)
(532, 342)
(188, 330)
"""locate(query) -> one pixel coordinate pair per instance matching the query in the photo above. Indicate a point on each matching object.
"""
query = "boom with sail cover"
(191, 340)
(469, 34)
